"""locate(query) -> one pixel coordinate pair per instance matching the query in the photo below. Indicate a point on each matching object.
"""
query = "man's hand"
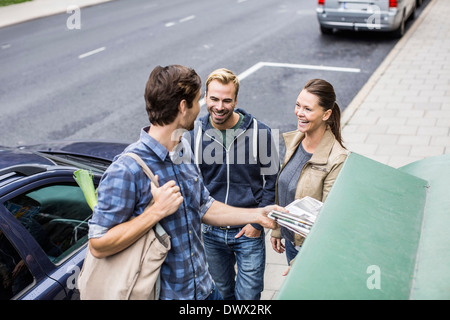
(220, 214)
(266, 222)
(167, 198)
(249, 231)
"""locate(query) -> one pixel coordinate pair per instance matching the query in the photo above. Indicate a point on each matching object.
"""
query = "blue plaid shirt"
(124, 191)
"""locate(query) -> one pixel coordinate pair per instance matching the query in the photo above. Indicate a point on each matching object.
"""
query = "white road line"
(172, 23)
(90, 53)
(187, 19)
(250, 70)
(311, 67)
(261, 64)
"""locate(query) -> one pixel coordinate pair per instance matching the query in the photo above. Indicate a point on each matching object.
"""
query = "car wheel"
(413, 13)
(401, 28)
(326, 30)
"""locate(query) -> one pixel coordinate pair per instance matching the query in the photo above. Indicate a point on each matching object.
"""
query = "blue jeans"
(214, 295)
(223, 251)
(291, 251)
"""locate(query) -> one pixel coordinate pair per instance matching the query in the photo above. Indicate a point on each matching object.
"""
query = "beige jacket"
(318, 174)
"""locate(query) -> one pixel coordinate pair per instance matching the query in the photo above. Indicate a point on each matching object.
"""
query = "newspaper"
(301, 216)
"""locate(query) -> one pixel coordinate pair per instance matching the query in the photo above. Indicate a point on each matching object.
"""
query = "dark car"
(44, 216)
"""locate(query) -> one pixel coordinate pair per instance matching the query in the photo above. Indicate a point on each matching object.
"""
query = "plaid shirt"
(124, 191)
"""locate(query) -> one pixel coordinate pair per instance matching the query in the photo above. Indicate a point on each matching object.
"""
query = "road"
(58, 83)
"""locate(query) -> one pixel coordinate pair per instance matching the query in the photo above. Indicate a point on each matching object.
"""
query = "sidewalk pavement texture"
(401, 115)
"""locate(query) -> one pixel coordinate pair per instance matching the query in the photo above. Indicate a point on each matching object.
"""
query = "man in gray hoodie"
(238, 159)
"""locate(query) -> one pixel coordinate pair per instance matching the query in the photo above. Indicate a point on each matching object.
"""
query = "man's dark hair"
(166, 88)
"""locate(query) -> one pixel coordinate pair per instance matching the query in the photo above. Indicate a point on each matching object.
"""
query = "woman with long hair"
(314, 156)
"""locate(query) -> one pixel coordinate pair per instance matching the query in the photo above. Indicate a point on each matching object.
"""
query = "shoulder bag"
(131, 274)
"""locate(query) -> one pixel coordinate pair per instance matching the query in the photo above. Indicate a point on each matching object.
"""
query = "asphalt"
(401, 115)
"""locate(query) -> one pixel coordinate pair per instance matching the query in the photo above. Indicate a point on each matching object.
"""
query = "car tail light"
(321, 2)
(392, 3)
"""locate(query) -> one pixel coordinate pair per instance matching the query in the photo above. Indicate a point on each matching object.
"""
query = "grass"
(4, 3)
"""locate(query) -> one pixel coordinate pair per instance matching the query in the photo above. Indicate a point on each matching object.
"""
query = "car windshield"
(82, 162)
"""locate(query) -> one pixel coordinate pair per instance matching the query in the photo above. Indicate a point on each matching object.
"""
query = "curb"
(375, 77)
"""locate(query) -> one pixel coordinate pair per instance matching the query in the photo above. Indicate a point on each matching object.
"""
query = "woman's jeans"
(291, 251)
(223, 251)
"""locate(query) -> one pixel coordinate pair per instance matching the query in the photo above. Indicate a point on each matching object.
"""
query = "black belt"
(230, 227)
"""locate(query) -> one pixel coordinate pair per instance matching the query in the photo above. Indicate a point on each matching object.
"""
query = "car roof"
(33, 159)
(15, 157)
(105, 150)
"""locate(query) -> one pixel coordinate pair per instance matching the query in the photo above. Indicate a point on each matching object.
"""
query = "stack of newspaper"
(301, 216)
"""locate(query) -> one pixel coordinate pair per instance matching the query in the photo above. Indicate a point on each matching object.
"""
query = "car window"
(56, 216)
(14, 273)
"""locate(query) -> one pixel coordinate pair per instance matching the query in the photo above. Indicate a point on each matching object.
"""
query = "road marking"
(90, 53)
(310, 67)
(187, 19)
(261, 64)
(172, 23)
(250, 71)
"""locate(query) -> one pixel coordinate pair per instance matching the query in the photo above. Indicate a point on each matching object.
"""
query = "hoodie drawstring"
(198, 142)
(255, 139)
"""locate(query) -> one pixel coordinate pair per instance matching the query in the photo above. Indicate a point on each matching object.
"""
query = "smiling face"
(220, 101)
(310, 115)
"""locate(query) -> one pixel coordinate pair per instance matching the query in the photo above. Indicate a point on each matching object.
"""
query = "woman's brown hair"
(324, 91)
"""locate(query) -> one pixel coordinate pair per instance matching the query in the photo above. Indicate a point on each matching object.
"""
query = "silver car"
(373, 15)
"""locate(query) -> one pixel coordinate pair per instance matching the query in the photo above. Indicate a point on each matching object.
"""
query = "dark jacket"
(244, 174)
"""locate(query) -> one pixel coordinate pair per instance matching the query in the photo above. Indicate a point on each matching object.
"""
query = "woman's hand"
(277, 245)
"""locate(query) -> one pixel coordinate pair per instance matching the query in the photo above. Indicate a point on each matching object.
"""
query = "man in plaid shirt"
(182, 201)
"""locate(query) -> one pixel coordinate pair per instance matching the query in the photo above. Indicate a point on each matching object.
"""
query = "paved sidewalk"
(401, 115)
